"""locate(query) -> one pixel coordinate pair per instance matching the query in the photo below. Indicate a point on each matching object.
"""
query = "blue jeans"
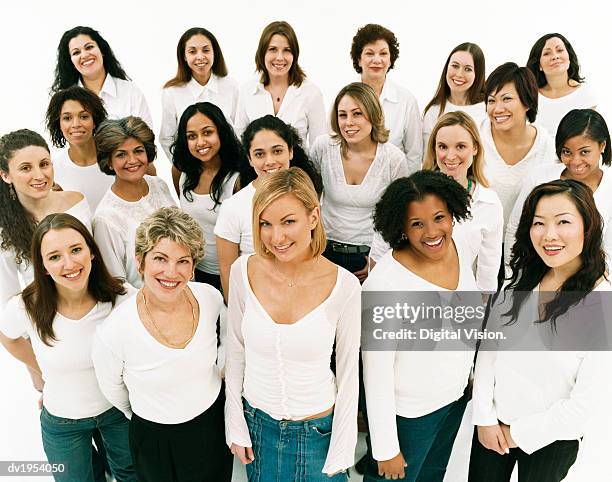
(288, 450)
(426, 442)
(68, 441)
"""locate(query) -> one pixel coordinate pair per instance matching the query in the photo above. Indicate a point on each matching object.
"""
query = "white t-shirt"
(551, 111)
(115, 223)
(347, 209)
(221, 91)
(202, 209)
(235, 220)
(89, 180)
(284, 370)
(71, 387)
(160, 384)
(478, 112)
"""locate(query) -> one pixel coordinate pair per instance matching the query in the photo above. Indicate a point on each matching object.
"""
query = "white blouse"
(13, 276)
(158, 383)
(347, 209)
(221, 91)
(202, 209)
(411, 383)
(235, 220)
(71, 388)
(551, 111)
(302, 108)
(115, 223)
(284, 370)
(478, 112)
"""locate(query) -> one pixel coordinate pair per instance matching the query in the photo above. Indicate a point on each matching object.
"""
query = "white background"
(143, 36)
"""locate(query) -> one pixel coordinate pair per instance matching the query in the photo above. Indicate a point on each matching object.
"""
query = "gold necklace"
(159, 332)
(290, 283)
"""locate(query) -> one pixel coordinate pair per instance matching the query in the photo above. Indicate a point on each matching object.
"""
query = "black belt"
(344, 248)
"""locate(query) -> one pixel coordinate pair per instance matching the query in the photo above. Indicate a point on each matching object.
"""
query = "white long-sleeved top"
(138, 374)
(235, 220)
(405, 383)
(506, 180)
(542, 174)
(302, 108)
(485, 232)
(13, 276)
(551, 111)
(115, 223)
(347, 209)
(123, 98)
(71, 388)
(284, 369)
(478, 112)
(543, 396)
(221, 91)
(403, 119)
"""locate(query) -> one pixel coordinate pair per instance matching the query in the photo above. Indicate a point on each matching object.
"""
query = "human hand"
(506, 431)
(363, 273)
(392, 469)
(245, 454)
(492, 438)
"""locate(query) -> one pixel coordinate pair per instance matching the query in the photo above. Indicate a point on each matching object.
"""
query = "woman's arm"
(490, 253)
(176, 176)
(21, 349)
(227, 252)
(112, 247)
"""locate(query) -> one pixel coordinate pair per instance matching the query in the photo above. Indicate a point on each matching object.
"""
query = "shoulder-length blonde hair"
(367, 99)
(458, 118)
(295, 181)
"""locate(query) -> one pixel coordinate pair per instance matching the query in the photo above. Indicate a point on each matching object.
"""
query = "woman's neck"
(458, 98)
(202, 79)
(557, 82)
(376, 84)
(95, 83)
(83, 155)
(130, 191)
(165, 306)
(36, 207)
(556, 277)
(515, 136)
(365, 147)
(277, 82)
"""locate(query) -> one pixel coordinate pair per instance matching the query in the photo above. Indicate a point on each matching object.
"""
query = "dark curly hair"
(368, 34)
(230, 153)
(66, 73)
(88, 100)
(533, 62)
(16, 223)
(390, 211)
(527, 266)
(292, 139)
(588, 123)
(523, 80)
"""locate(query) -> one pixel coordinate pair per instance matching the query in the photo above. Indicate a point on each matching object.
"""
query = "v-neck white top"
(411, 383)
(284, 369)
(235, 219)
(551, 111)
(346, 208)
(161, 384)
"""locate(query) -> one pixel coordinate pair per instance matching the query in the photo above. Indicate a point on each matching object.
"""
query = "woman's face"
(455, 151)
(505, 109)
(460, 73)
(66, 258)
(557, 232)
(429, 227)
(278, 58)
(352, 121)
(30, 172)
(166, 270)
(76, 123)
(86, 56)
(199, 56)
(202, 137)
(554, 58)
(375, 60)
(285, 228)
(269, 153)
(580, 155)
(129, 161)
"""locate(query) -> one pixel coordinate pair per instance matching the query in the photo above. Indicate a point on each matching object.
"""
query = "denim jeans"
(68, 441)
(288, 450)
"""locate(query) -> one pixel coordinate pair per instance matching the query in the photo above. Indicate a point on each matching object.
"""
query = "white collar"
(197, 89)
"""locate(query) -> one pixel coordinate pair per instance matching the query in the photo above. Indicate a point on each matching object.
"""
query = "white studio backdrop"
(143, 36)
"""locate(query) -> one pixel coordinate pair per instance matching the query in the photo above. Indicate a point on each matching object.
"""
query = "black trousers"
(211, 279)
(193, 451)
(549, 464)
(351, 262)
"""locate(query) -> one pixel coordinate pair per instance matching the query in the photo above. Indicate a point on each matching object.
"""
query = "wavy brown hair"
(296, 74)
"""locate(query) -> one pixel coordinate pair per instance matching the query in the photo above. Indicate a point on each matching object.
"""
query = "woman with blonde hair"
(357, 164)
(288, 305)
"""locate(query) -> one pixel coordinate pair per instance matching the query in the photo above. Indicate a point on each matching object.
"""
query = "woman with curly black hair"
(531, 408)
(413, 422)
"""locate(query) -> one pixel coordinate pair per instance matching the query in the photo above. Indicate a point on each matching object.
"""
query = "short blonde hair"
(458, 118)
(295, 181)
(367, 99)
(171, 223)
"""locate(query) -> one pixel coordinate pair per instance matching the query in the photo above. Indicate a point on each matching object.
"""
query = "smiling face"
(429, 227)
(30, 172)
(200, 57)
(580, 154)
(557, 232)
(202, 138)
(278, 58)
(455, 152)
(554, 59)
(66, 258)
(86, 56)
(129, 161)
(269, 153)
(505, 109)
(352, 121)
(76, 123)
(460, 73)
(375, 60)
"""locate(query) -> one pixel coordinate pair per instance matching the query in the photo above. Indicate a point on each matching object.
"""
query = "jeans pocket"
(53, 420)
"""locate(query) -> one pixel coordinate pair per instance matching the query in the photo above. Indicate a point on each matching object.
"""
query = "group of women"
(123, 322)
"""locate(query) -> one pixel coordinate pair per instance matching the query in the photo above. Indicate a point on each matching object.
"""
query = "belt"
(344, 248)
